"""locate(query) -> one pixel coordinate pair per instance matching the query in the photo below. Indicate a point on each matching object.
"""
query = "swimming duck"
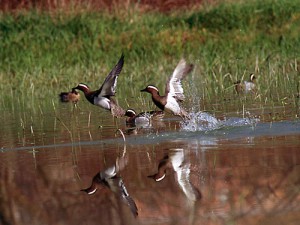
(173, 92)
(71, 96)
(108, 178)
(102, 96)
(246, 86)
(143, 117)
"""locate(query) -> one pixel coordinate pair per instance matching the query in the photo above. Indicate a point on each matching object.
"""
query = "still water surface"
(206, 171)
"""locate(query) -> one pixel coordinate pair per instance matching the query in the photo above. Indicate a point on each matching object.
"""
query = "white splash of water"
(202, 121)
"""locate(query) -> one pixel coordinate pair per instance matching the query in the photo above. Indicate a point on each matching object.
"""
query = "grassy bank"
(44, 53)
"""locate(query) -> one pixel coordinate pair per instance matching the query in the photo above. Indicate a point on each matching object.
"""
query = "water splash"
(236, 121)
(202, 121)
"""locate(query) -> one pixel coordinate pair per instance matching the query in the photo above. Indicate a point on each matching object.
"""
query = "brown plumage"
(246, 86)
(173, 91)
(163, 166)
(176, 161)
(108, 178)
(103, 96)
(72, 96)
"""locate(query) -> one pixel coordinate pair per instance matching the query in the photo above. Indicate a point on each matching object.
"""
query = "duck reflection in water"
(175, 161)
(108, 178)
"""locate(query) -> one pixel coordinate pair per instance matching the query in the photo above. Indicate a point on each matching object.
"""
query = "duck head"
(82, 87)
(150, 89)
(130, 113)
(252, 77)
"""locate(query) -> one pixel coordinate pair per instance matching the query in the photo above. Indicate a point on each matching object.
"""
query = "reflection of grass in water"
(43, 54)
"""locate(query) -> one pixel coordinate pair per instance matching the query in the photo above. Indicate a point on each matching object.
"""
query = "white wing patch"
(177, 159)
(113, 88)
(172, 105)
(109, 172)
(249, 86)
(102, 102)
(175, 86)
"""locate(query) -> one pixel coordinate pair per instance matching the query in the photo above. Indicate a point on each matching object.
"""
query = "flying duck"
(173, 91)
(102, 96)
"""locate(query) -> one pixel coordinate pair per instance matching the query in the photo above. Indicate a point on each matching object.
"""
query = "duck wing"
(127, 198)
(108, 87)
(183, 179)
(182, 170)
(174, 86)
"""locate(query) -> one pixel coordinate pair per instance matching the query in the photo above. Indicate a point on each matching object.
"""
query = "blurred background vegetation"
(50, 46)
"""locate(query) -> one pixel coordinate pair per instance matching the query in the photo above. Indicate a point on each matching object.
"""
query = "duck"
(102, 96)
(71, 96)
(175, 161)
(108, 178)
(246, 86)
(173, 91)
(143, 117)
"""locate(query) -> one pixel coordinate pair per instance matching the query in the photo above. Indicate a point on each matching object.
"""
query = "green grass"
(44, 53)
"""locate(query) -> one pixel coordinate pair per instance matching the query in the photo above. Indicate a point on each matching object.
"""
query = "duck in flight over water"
(102, 96)
(173, 91)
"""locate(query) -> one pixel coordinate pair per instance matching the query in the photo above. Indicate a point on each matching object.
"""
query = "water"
(232, 170)
(202, 121)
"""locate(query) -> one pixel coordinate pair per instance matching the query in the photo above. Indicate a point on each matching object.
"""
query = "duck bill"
(144, 90)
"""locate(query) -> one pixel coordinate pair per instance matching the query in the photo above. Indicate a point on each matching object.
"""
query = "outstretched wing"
(108, 87)
(174, 86)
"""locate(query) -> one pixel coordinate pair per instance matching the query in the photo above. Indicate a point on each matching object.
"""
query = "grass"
(44, 53)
